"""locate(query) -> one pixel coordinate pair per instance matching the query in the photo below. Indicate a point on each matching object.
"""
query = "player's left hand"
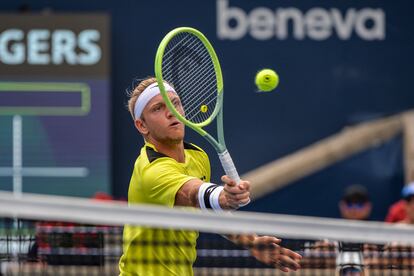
(267, 250)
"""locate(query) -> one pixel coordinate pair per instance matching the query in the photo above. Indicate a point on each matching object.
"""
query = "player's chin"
(176, 135)
(177, 130)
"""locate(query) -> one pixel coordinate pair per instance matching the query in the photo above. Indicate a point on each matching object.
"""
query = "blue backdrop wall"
(339, 62)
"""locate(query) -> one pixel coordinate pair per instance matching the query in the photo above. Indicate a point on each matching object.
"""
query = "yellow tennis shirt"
(156, 180)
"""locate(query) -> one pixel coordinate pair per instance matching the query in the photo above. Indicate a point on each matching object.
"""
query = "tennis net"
(50, 235)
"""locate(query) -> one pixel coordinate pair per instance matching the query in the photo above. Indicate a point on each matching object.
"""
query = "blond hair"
(134, 94)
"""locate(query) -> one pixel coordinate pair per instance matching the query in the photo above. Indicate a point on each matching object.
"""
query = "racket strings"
(199, 85)
(206, 72)
(191, 85)
(205, 117)
(180, 55)
(188, 81)
(178, 40)
(181, 41)
(188, 66)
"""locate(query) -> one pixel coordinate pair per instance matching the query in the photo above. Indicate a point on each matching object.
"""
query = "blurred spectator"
(102, 196)
(355, 203)
(402, 251)
(408, 195)
(57, 242)
(398, 211)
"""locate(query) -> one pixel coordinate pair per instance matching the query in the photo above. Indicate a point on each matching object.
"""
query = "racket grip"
(228, 166)
(230, 169)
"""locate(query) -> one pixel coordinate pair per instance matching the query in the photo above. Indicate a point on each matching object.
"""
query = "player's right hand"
(234, 195)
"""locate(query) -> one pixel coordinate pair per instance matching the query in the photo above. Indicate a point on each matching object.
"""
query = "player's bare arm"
(230, 197)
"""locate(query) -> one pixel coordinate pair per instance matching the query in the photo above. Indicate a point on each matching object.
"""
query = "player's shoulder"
(194, 150)
(149, 156)
(191, 146)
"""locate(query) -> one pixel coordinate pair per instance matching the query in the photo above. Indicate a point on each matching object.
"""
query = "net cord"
(59, 208)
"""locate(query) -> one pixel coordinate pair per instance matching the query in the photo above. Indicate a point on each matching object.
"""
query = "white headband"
(146, 95)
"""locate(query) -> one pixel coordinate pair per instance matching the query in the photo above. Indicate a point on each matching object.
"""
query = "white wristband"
(209, 195)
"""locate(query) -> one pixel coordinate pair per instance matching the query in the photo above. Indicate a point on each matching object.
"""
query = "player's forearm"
(187, 195)
(196, 193)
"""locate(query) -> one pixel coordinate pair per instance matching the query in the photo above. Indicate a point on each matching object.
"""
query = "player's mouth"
(175, 123)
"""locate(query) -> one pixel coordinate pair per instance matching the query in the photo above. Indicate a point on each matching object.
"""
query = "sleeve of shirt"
(161, 181)
(207, 167)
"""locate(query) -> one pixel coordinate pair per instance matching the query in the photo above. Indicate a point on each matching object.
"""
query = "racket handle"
(230, 169)
(228, 166)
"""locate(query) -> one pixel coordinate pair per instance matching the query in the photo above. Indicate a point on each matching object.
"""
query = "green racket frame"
(219, 144)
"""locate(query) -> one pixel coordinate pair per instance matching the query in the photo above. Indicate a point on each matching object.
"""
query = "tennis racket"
(186, 59)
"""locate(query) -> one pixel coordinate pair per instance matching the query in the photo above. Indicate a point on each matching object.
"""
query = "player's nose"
(168, 113)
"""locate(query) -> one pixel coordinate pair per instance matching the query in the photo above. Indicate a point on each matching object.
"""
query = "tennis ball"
(266, 80)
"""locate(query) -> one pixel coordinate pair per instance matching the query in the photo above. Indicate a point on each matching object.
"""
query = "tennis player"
(171, 172)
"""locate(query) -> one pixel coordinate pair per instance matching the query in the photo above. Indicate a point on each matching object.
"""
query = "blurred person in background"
(398, 211)
(171, 172)
(402, 209)
(355, 203)
(408, 195)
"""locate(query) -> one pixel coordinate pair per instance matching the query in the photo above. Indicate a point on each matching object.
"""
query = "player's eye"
(176, 103)
(156, 108)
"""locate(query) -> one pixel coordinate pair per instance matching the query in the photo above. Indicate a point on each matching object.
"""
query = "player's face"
(161, 124)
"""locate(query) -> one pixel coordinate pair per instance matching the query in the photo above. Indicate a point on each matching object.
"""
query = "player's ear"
(141, 126)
